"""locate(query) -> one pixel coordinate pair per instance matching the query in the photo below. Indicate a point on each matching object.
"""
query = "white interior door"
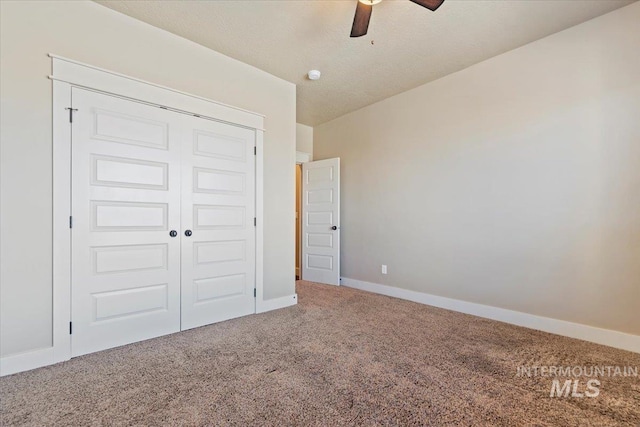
(321, 221)
(125, 200)
(218, 211)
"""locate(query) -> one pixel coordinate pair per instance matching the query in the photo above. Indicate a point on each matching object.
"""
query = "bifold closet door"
(218, 210)
(125, 202)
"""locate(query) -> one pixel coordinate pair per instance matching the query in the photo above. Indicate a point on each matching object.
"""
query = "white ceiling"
(406, 46)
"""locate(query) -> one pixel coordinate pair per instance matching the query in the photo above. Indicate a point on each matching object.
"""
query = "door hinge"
(254, 292)
(71, 110)
(70, 222)
(255, 221)
(70, 328)
(255, 151)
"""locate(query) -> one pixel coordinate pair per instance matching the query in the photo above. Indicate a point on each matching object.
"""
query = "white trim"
(276, 303)
(93, 78)
(61, 213)
(560, 327)
(259, 220)
(302, 157)
(72, 61)
(25, 361)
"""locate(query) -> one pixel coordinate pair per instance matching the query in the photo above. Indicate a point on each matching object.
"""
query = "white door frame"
(68, 73)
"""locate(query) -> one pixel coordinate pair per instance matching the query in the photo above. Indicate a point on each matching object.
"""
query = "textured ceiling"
(406, 46)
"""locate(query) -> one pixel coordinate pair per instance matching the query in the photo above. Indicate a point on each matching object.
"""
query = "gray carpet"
(340, 357)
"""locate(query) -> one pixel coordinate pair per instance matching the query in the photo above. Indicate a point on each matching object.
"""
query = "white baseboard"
(276, 303)
(46, 356)
(26, 361)
(561, 327)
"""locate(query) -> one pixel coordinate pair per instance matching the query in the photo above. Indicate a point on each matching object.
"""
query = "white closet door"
(321, 221)
(218, 233)
(125, 200)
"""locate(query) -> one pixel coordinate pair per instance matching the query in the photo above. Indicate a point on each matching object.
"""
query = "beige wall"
(513, 183)
(93, 34)
(304, 138)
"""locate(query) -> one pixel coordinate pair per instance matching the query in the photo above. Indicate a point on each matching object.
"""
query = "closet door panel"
(218, 209)
(125, 200)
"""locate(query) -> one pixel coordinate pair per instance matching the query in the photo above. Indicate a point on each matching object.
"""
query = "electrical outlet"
(384, 269)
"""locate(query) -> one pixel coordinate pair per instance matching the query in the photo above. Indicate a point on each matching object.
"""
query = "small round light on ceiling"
(314, 75)
(370, 2)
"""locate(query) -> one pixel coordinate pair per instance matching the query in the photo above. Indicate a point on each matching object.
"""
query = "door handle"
(334, 227)
(188, 233)
(173, 233)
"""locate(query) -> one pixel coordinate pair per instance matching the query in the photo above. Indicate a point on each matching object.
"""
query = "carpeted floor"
(340, 357)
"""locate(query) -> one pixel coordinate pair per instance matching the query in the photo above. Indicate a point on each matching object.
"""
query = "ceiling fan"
(363, 14)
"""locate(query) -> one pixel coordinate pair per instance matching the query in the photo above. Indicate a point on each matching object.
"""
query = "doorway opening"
(298, 217)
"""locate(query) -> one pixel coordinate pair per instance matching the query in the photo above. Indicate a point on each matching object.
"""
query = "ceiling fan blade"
(429, 4)
(361, 19)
